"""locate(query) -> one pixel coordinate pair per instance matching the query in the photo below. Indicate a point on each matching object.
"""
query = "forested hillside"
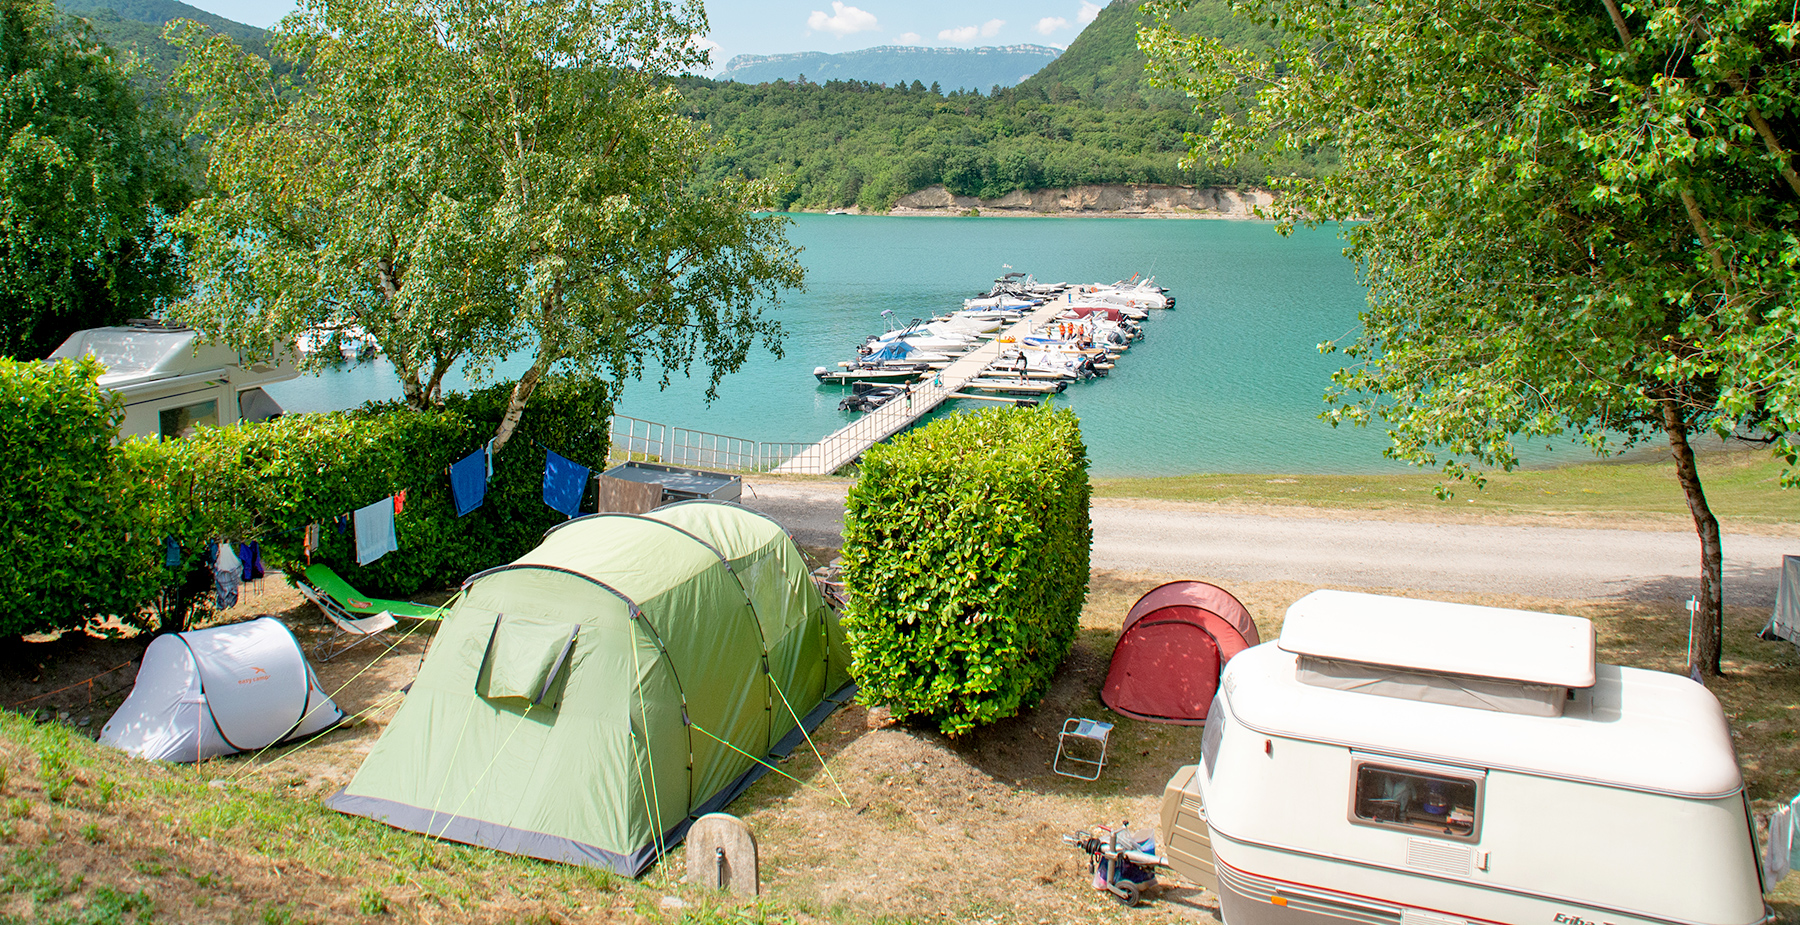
(1087, 118)
(1105, 67)
(136, 26)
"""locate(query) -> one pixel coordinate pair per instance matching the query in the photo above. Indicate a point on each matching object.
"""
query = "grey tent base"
(566, 850)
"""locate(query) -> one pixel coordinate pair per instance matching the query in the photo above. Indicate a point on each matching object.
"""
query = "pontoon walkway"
(899, 413)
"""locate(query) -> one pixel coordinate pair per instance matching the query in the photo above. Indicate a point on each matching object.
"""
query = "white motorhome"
(1401, 761)
(172, 381)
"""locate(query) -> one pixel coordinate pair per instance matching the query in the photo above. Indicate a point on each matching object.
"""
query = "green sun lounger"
(328, 582)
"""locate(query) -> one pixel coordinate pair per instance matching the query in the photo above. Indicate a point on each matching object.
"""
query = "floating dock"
(839, 449)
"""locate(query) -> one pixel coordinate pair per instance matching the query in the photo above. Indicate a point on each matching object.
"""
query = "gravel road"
(1343, 550)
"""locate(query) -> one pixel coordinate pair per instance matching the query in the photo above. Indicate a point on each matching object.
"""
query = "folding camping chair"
(326, 582)
(347, 624)
(1079, 731)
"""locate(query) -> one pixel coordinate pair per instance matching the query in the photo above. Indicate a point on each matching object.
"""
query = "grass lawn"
(1742, 487)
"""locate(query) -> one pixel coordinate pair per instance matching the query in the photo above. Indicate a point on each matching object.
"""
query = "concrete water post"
(721, 854)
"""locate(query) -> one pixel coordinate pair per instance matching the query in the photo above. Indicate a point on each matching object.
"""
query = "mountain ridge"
(977, 69)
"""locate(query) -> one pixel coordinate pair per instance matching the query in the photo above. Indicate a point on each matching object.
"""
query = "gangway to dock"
(902, 411)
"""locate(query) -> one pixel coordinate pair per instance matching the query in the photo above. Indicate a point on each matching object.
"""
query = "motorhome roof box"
(1403, 761)
(1512, 661)
(681, 484)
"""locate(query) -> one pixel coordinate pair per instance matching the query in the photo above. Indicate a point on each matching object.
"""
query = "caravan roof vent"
(1512, 661)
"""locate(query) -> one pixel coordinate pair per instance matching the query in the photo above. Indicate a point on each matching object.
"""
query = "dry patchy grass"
(898, 824)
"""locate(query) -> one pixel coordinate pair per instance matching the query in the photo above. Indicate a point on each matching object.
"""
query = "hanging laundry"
(375, 531)
(468, 481)
(227, 572)
(309, 541)
(1783, 851)
(343, 523)
(400, 501)
(251, 555)
(564, 480)
(171, 553)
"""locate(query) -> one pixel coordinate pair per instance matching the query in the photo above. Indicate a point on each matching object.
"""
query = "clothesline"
(373, 523)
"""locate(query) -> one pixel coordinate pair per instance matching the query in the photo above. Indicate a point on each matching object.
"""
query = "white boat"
(1397, 760)
(1130, 295)
(967, 324)
(871, 374)
(351, 341)
(1001, 302)
(1037, 364)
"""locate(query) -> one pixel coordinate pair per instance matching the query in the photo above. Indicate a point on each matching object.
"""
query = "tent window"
(527, 660)
(1416, 800)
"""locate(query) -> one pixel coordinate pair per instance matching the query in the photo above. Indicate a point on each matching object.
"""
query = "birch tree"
(473, 180)
(1572, 217)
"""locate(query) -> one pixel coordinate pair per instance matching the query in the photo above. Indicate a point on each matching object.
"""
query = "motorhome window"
(1440, 805)
(1215, 729)
(183, 421)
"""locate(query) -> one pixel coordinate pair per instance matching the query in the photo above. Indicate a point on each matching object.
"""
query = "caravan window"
(1215, 729)
(183, 421)
(1442, 804)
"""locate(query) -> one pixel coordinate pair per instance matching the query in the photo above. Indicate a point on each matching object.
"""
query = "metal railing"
(636, 440)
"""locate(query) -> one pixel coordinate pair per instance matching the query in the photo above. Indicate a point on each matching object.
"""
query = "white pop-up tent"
(1785, 622)
(219, 691)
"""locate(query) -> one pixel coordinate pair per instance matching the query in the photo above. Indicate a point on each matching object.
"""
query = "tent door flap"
(526, 659)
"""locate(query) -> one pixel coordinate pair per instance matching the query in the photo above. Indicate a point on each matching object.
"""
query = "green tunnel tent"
(585, 703)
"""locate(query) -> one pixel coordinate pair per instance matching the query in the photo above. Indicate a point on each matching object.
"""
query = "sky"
(767, 27)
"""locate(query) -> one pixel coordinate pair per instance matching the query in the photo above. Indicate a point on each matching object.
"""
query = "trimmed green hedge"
(73, 548)
(89, 518)
(267, 482)
(966, 563)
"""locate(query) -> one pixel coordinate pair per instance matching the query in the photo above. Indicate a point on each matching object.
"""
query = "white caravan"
(172, 381)
(1419, 763)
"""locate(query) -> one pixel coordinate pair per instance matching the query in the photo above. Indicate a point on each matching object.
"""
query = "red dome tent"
(1176, 640)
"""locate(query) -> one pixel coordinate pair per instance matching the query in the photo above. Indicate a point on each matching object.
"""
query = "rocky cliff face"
(1110, 199)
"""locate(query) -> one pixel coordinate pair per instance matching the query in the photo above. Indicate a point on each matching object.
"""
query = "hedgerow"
(73, 548)
(90, 519)
(966, 564)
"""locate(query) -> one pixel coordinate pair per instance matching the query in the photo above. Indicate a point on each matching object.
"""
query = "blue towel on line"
(375, 531)
(563, 481)
(468, 481)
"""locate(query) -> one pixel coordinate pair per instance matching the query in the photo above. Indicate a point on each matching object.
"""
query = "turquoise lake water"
(1228, 381)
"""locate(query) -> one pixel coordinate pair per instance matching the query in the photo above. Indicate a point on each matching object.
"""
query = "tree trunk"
(515, 405)
(415, 395)
(1709, 622)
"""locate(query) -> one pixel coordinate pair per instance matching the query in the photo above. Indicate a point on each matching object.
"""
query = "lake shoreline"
(1107, 200)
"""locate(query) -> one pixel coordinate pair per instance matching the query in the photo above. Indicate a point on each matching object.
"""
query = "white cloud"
(1051, 24)
(1088, 12)
(909, 38)
(843, 20)
(959, 36)
(991, 28)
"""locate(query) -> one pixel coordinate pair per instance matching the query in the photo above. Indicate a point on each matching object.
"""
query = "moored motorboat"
(879, 374)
